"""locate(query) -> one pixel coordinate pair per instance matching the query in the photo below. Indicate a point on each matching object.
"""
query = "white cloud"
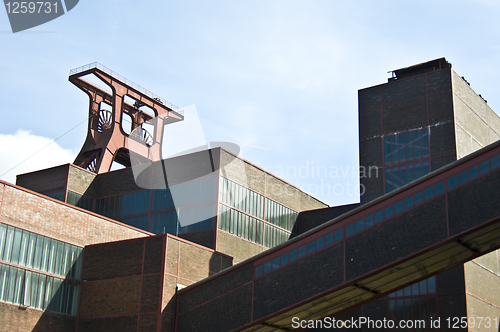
(23, 144)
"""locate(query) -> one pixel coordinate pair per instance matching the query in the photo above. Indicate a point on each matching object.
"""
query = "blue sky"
(278, 78)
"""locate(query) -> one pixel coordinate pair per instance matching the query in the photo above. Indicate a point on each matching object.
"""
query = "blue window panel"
(267, 267)
(387, 149)
(403, 175)
(462, 177)
(398, 207)
(439, 188)
(418, 170)
(424, 138)
(452, 182)
(409, 147)
(395, 177)
(495, 162)
(379, 216)
(310, 247)
(388, 180)
(284, 259)
(394, 149)
(320, 243)
(484, 167)
(293, 255)
(360, 225)
(401, 146)
(419, 197)
(258, 271)
(473, 172)
(339, 234)
(276, 263)
(429, 193)
(411, 173)
(349, 230)
(416, 144)
(425, 168)
(389, 211)
(329, 239)
(369, 221)
(302, 251)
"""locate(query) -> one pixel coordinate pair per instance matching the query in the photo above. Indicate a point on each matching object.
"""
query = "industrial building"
(209, 241)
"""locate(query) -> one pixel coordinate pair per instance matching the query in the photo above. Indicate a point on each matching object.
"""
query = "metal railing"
(126, 81)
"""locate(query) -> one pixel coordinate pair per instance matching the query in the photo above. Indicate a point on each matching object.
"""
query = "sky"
(277, 78)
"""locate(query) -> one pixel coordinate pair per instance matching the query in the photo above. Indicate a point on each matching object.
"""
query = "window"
(405, 157)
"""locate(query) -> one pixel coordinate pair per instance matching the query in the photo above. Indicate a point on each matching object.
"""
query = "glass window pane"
(379, 216)
(284, 259)
(418, 170)
(429, 193)
(462, 177)
(431, 285)
(388, 180)
(398, 207)
(276, 263)
(484, 167)
(416, 144)
(349, 230)
(387, 149)
(423, 287)
(369, 221)
(495, 162)
(267, 267)
(310, 247)
(258, 271)
(452, 182)
(339, 234)
(394, 149)
(16, 246)
(401, 147)
(424, 138)
(302, 251)
(425, 168)
(439, 188)
(389, 212)
(409, 146)
(403, 176)
(320, 243)
(419, 197)
(329, 239)
(360, 225)
(473, 172)
(408, 202)
(414, 289)
(9, 239)
(293, 255)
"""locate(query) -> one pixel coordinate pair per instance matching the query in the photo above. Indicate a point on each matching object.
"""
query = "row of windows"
(473, 172)
(424, 287)
(398, 176)
(280, 215)
(140, 222)
(38, 252)
(274, 236)
(299, 253)
(124, 205)
(413, 310)
(37, 290)
(397, 208)
(194, 192)
(394, 209)
(81, 201)
(59, 195)
(240, 224)
(242, 198)
(196, 218)
(400, 148)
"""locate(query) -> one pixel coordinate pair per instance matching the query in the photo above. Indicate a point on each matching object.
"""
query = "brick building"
(82, 250)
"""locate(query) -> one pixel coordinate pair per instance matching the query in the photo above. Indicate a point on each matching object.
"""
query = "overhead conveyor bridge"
(440, 221)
